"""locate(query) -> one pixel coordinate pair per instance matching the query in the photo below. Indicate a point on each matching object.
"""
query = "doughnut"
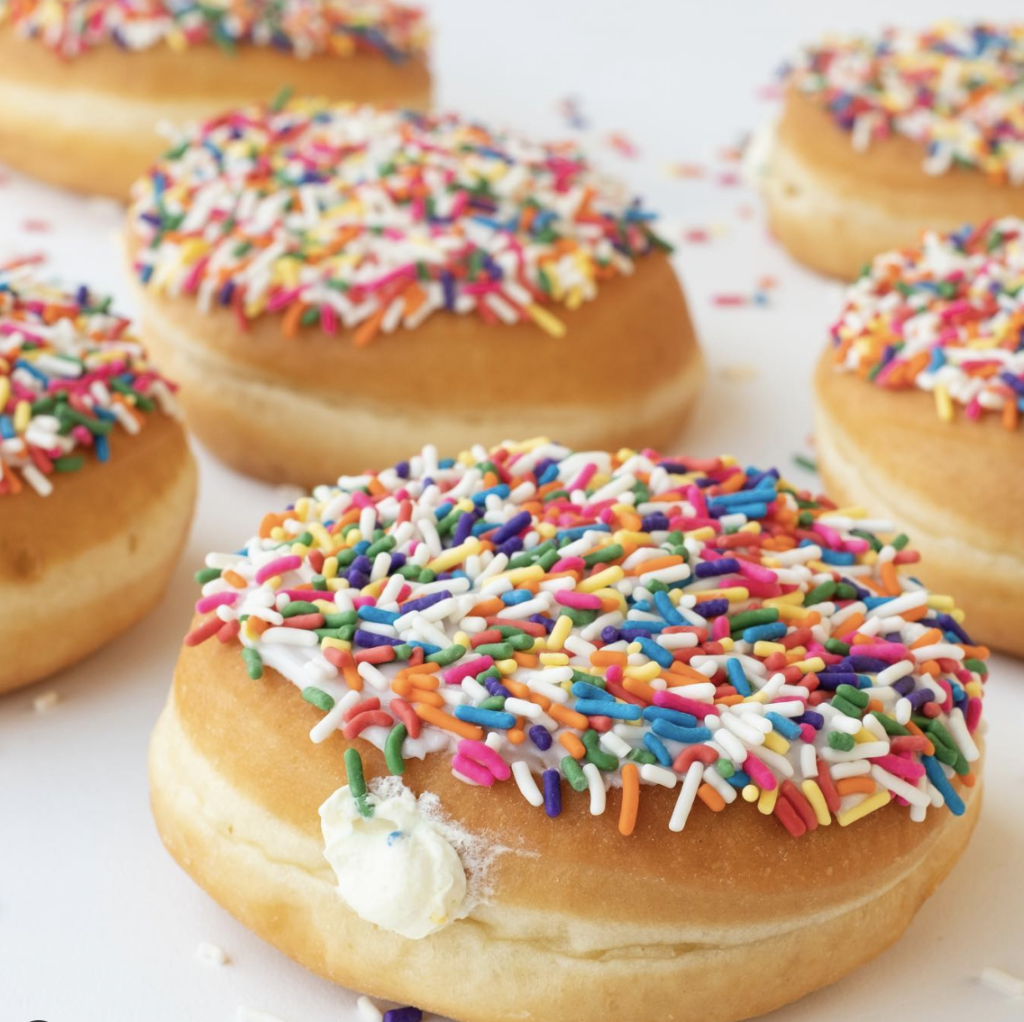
(96, 480)
(498, 714)
(918, 401)
(99, 78)
(331, 284)
(882, 138)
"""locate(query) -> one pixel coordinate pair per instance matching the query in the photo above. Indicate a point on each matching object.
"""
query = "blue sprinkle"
(382, 617)
(655, 745)
(765, 633)
(736, 676)
(661, 656)
(783, 725)
(675, 716)
(486, 718)
(687, 735)
(601, 708)
(584, 690)
(933, 768)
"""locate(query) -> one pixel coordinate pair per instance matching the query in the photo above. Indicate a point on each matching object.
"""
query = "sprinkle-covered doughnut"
(71, 372)
(945, 316)
(957, 89)
(304, 27)
(549, 618)
(359, 221)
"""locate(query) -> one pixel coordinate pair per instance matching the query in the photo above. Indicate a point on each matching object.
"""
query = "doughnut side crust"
(835, 208)
(82, 565)
(103, 107)
(956, 488)
(578, 918)
(311, 406)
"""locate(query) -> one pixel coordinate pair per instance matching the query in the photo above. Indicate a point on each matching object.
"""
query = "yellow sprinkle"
(548, 323)
(795, 598)
(643, 672)
(811, 666)
(796, 653)
(330, 569)
(754, 527)
(334, 584)
(974, 688)
(750, 792)
(299, 549)
(943, 403)
(462, 639)
(603, 578)
(636, 538)
(326, 606)
(272, 583)
(324, 540)
(561, 631)
(776, 743)
(766, 801)
(336, 643)
(455, 556)
(519, 575)
(506, 667)
(546, 529)
(700, 534)
(22, 416)
(765, 648)
(5, 391)
(813, 795)
(554, 659)
(726, 644)
(869, 805)
(864, 735)
(939, 602)
(735, 594)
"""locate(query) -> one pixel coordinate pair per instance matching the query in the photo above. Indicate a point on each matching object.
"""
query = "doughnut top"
(71, 372)
(612, 619)
(947, 317)
(958, 89)
(304, 27)
(361, 220)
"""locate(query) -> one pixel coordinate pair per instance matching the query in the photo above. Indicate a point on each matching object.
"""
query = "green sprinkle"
(725, 767)
(820, 593)
(891, 727)
(204, 575)
(253, 663)
(608, 553)
(71, 463)
(497, 650)
(318, 697)
(299, 607)
(596, 755)
(854, 695)
(839, 740)
(493, 703)
(447, 656)
(753, 618)
(837, 647)
(354, 773)
(642, 756)
(851, 709)
(280, 101)
(804, 462)
(393, 749)
(574, 773)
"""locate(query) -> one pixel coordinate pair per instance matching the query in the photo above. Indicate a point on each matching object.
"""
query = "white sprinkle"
(612, 743)
(290, 637)
(245, 1014)
(687, 793)
(658, 775)
(211, 954)
(1002, 982)
(595, 784)
(46, 702)
(372, 676)
(526, 783)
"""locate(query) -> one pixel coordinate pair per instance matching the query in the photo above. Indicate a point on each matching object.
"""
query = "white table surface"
(96, 921)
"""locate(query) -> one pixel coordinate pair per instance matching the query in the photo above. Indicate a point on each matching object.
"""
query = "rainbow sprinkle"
(358, 219)
(958, 90)
(70, 373)
(945, 317)
(601, 620)
(302, 27)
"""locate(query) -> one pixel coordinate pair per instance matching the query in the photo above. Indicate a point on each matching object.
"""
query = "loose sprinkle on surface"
(358, 221)
(533, 611)
(71, 373)
(211, 954)
(957, 89)
(45, 702)
(946, 316)
(304, 27)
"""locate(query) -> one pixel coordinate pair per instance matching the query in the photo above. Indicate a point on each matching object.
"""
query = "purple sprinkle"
(552, 793)
(609, 634)
(370, 639)
(511, 528)
(812, 717)
(540, 736)
(723, 566)
(711, 608)
(920, 697)
(425, 601)
(403, 1015)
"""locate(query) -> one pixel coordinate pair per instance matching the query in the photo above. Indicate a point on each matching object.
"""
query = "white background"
(96, 921)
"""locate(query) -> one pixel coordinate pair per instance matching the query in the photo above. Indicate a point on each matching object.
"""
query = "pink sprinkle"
(364, 601)
(613, 673)
(579, 601)
(905, 768)
(214, 600)
(278, 566)
(672, 701)
(720, 627)
(759, 773)
(468, 768)
(888, 651)
(757, 572)
(973, 715)
(486, 757)
(454, 675)
(586, 474)
(568, 564)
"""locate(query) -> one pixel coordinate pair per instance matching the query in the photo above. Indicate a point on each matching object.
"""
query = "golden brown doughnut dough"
(308, 408)
(90, 123)
(834, 207)
(97, 551)
(579, 914)
(956, 488)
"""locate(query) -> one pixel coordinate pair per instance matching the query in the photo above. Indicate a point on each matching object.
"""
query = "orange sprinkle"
(447, 722)
(686, 673)
(638, 688)
(572, 745)
(487, 608)
(367, 330)
(570, 718)
(929, 749)
(516, 735)
(605, 658)
(655, 564)
(526, 659)
(423, 696)
(855, 786)
(709, 797)
(234, 579)
(630, 798)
